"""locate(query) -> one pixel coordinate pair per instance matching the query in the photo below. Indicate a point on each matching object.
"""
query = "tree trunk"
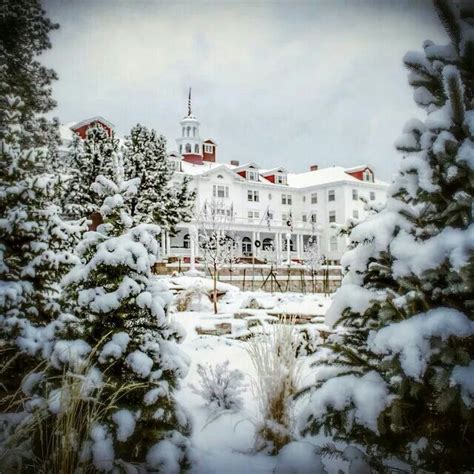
(214, 291)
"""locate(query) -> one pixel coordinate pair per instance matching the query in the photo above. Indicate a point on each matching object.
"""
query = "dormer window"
(280, 179)
(368, 176)
(252, 175)
(208, 148)
(188, 147)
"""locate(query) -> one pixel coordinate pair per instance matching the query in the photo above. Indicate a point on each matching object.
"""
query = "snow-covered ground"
(225, 444)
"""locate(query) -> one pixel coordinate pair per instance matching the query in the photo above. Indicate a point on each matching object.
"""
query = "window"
(355, 214)
(332, 216)
(207, 148)
(355, 195)
(219, 176)
(333, 244)
(220, 191)
(286, 199)
(252, 175)
(252, 196)
(304, 218)
(284, 218)
(188, 147)
(174, 164)
(331, 195)
(196, 148)
(194, 131)
(285, 245)
(270, 215)
(253, 215)
(372, 196)
(280, 179)
(180, 149)
(269, 196)
(188, 131)
(267, 244)
(368, 176)
(304, 198)
(313, 218)
(314, 198)
(246, 247)
(183, 131)
(186, 241)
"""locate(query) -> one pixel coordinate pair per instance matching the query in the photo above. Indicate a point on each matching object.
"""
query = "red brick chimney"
(234, 162)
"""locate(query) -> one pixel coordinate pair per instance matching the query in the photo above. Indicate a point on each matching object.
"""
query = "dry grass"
(275, 359)
(48, 443)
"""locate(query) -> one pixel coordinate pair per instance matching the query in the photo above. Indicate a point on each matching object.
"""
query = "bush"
(275, 360)
(220, 387)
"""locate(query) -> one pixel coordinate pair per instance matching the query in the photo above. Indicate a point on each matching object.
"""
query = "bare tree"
(216, 241)
(312, 258)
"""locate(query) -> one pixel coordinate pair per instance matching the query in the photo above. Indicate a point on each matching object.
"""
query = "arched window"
(180, 149)
(246, 247)
(183, 131)
(194, 131)
(267, 244)
(219, 176)
(188, 131)
(188, 148)
(196, 148)
(186, 241)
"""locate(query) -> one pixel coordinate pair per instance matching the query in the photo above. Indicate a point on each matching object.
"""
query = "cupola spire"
(189, 102)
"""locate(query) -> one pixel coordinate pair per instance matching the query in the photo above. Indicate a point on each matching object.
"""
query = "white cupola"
(189, 143)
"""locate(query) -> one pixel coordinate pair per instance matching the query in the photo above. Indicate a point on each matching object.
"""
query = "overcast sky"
(279, 83)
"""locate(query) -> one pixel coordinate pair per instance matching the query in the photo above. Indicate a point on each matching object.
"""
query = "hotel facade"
(267, 207)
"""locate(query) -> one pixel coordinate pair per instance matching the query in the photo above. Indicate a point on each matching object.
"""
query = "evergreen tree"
(33, 253)
(123, 331)
(405, 309)
(24, 34)
(157, 200)
(33, 238)
(95, 155)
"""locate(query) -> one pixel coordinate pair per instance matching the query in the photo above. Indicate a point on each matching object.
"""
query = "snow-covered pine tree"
(95, 155)
(156, 201)
(24, 34)
(33, 253)
(130, 344)
(33, 238)
(404, 386)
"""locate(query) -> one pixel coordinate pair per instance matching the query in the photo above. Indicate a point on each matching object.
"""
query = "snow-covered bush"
(220, 387)
(277, 366)
(123, 329)
(405, 305)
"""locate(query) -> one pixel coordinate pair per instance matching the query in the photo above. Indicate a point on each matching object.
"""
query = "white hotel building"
(268, 205)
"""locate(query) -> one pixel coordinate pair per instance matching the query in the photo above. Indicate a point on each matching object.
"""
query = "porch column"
(298, 245)
(278, 246)
(163, 244)
(288, 247)
(257, 250)
(192, 248)
(168, 244)
(254, 249)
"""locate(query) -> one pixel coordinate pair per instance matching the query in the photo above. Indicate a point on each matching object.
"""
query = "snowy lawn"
(225, 442)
